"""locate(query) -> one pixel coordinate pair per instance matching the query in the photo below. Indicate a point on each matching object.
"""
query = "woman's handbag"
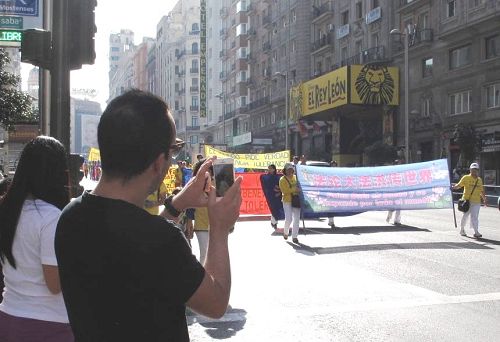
(463, 204)
(295, 198)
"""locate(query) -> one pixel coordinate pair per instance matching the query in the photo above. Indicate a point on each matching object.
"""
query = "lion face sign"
(375, 85)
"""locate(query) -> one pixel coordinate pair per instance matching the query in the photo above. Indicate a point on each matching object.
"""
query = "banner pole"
(453, 206)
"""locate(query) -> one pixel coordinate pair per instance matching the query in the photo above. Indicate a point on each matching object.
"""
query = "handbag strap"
(289, 184)
(474, 188)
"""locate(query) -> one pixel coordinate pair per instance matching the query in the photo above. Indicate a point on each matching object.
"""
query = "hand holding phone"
(223, 174)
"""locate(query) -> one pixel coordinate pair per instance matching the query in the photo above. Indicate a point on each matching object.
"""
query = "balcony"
(194, 70)
(194, 108)
(375, 54)
(180, 91)
(192, 128)
(266, 47)
(266, 20)
(194, 33)
(180, 73)
(259, 103)
(418, 37)
(179, 54)
(326, 40)
(323, 11)
(223, 12)
(194, 89)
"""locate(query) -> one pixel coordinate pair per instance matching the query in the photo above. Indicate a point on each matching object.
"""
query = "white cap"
(474, 166)
(289, 166)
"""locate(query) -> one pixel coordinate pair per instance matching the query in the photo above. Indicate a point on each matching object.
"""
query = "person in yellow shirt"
(155, 199)
(288, 187)
(474, 192)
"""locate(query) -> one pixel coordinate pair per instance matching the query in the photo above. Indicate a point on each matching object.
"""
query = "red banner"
(253, 199)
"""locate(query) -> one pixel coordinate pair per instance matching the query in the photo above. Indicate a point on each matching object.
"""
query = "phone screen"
(224, 177)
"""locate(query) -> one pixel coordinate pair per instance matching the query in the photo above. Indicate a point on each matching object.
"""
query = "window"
(359, 10)
(451, 8)
(423, 21)
(492, 46)
(194, 64)
(345, 18)
(375, 4)
(460, 103)
(176, 105)
(194, 48)
(115, 49)
(194, 82)
(460, 56)
(475, 3)
(275, 55)
(195, 121)
(193, 139)
(293, 15)
(343, 53)
(241, 29)
(375, 39)
(426, 108)
(294, 46)
(245, 127)
(273, 117)
(194, 101)
(262, 121)
(115, 58)
(493, 96)
(427, 67)
(359, 47)
(195, 27)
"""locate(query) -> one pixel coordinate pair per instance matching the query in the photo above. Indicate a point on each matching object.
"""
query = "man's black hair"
(133, 130)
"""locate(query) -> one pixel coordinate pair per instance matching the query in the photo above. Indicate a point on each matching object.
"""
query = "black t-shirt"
(125, 274)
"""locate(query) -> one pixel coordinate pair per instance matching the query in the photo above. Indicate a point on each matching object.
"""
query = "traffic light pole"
(60, 75)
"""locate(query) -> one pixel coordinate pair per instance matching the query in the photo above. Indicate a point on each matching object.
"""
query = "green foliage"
(15, 105)
(380, 153)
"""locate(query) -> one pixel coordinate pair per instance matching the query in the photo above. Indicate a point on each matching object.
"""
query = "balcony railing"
(193, 128)
(323, 41)
(375, 54)
(194, 89)
(414, 39)
(194, 33)
(194, 70)
(259, 103)
(180, 73)
(181, 91)
(194, 108)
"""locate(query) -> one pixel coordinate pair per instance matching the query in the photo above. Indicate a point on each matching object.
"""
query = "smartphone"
(223, 174)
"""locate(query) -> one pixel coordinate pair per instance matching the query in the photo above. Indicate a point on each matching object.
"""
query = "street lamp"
(407, 99)
(285, 76)
(222, 98)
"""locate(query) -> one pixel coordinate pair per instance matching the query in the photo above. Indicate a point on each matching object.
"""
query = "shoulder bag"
(464, 204)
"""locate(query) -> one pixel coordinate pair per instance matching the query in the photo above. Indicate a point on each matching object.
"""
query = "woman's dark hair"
(273, 167)
(42, 172)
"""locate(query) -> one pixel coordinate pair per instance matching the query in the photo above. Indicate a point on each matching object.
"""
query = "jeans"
(474, 217)
(291, 214)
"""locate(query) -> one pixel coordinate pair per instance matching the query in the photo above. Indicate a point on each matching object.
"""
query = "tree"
(15, 105)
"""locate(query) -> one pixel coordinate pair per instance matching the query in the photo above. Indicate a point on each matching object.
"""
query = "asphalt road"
(364, 281)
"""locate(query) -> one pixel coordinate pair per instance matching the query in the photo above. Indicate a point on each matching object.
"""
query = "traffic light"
(81, 32)
(36, 48)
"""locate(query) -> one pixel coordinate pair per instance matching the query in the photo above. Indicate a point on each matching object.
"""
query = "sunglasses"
(176, 148)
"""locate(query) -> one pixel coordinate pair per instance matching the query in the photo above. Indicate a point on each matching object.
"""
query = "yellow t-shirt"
(154, 197)
(288, 190)
(201, 219)
(467, 182)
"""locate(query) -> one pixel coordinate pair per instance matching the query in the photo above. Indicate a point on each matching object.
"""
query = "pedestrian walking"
(397, 213)
(33, 307)
(291, 201)
(127, 275)
(272, 172)
(474, 193)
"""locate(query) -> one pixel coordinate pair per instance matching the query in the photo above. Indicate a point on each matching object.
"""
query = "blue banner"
(272, 192)
(405, 187)
(19, 7)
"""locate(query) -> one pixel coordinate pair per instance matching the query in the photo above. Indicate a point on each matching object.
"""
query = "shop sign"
(374, 85)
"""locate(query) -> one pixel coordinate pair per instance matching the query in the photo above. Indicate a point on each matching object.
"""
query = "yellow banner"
(252, 161)
(169, 180)
(325, 92)
(374, 85)
(94, 154)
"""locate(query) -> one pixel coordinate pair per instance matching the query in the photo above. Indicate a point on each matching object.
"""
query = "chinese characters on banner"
(406, 187)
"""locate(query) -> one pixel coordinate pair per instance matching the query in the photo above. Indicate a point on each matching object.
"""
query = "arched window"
(194, 48)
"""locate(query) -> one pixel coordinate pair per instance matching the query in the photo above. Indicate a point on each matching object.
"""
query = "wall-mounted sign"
(11, 22)
(343, 31)
(374, 15)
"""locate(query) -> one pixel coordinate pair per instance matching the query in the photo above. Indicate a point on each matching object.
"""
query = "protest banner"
(169, 179)
(94, 154)
(253, 200)
(252, 161)
(398, 187)
(270, 187)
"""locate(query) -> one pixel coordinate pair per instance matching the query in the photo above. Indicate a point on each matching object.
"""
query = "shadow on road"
(228, 326)
(301, 248)
(489, 241)
(365, 230)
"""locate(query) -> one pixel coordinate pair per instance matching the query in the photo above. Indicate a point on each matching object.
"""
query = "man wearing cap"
(474, 192)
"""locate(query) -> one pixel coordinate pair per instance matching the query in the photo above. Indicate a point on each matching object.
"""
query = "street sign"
(11, 22)
(10, 38)
(19, 7)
